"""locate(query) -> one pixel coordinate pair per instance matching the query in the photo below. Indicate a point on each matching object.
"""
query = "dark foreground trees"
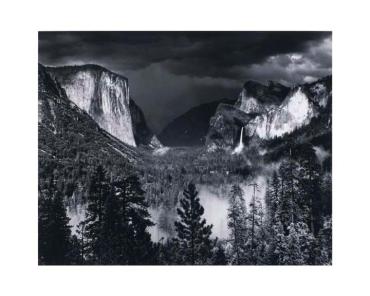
(116, 223)
(54, 240)
(237, 223)
(193, 234)
(115, 230)
(293, 227)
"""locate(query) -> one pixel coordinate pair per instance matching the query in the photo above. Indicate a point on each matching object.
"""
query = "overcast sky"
(170, 72)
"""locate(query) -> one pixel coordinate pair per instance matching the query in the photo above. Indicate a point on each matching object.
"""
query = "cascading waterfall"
(240, 146)
(241, 137)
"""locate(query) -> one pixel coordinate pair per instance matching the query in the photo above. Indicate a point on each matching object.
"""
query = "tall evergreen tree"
(117, 222)
(193, 234)
(167, 252)
(54, 232)
(287, 210)
(82, 241)
(133, 221)
(255, 243)
(310, 193)
(272, 224)
(75, 255)
(326, 190)
(272, 199)
(237, 223)
(295, 248)
(219, 257)
(98, 193)
(323, 250)
(276, 244)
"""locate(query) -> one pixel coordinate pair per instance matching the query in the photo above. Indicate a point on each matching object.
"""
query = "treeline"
(164, 177)
(292, 226)
(115, 230)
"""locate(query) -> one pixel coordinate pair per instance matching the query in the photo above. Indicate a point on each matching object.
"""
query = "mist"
(215, 201)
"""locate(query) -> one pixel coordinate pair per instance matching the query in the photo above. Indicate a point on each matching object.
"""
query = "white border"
(20, 21)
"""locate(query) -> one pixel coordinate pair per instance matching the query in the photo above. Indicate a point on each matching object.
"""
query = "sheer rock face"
(292, 114)
(259, 98)
(63, 126)
(297, 110)
(142, 133)
(69, 138)
(268, 112)
(255, 99)
(225, 127)
(102, 94)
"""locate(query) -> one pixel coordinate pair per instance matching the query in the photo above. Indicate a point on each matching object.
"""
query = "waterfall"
(240, 147)
(241, 137)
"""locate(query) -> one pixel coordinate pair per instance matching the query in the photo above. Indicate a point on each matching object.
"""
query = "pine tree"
(98, 193)
(295, 248)
(117, 222)
(272, 223)
(75, 255)
(323, 250)
(114, 234)
(134, 222)
(237, 223)
(309, 199)
(193, 235)
(272, 199)
(167, 252)
(255, 243)
(219, 257)
(54, 232)
(276, 245)
(287, 210)
(82, 243)
(292, 254)
(326, 190)
(268, 202)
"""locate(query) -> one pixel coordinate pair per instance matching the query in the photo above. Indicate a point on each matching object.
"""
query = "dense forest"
(291, 225)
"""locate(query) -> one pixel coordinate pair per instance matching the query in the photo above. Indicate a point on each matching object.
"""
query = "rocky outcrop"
(142, 133)
(104, 95)
(225, 127)
(268, 112)
(319, 92)
(67, 132)
(293, 113)
(258, 98)
(297, 110)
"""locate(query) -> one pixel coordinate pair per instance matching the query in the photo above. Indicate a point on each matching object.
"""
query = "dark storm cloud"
(189, 53)
(177, 70)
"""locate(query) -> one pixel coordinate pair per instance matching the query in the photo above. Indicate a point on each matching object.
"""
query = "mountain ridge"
(68, 135)
(105, 96)
(267, 119)
(191, 127)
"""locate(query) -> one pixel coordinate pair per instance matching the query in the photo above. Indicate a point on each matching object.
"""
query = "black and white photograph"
(185, 148)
